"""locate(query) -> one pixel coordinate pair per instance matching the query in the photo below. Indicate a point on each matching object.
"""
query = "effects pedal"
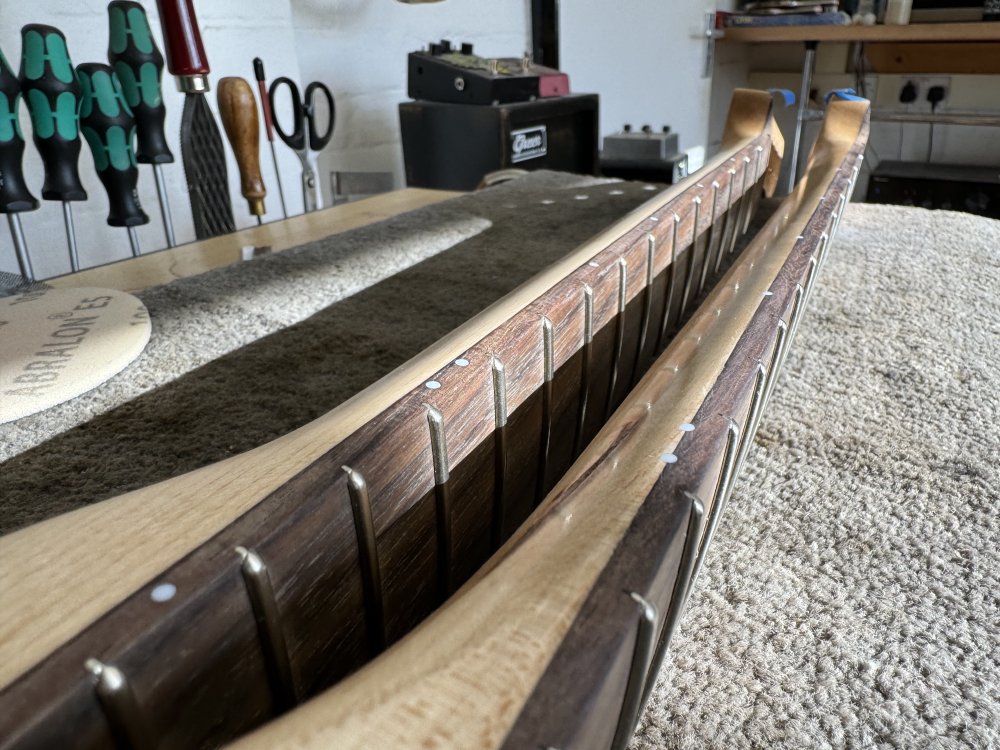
(644, 155)
(457, 76)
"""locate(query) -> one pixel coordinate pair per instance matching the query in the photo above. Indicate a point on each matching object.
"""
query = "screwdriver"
(52, 95)
(239, 117)
(265, 106)
(138, 64)
(108, 126)
(14, 194)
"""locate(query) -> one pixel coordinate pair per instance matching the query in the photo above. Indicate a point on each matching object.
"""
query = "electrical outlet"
(909, 92)
(925, 84)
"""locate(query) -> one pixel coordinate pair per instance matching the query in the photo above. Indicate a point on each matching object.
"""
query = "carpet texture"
(852, 595)
(242, 355)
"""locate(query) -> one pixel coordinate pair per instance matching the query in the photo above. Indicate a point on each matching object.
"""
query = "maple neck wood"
(557, 640)
(293, 565)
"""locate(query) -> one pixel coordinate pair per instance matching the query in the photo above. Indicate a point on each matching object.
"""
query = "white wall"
(357, 47)
(234, 31)
(646, 60)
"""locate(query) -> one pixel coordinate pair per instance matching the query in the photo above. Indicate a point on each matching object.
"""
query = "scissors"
(305, 143)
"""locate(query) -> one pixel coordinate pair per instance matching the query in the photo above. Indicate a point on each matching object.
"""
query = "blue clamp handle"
(787, 95)
(847, 94)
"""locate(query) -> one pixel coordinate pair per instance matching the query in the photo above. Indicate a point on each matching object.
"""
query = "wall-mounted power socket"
(922, 86)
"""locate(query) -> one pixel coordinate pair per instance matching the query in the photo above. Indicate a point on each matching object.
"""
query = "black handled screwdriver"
(52, 95)
(138, 63)
(108, 126)
(14, 194)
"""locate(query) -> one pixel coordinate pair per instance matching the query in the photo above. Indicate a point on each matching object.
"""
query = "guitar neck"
(291, 566)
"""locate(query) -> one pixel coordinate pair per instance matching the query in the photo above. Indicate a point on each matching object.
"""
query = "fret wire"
(548, 374)
(271, 635)
(678, 594)
(118, 703)
(638, 672)
(647, 303)
(726, 222)
(371, 574)
(499, 449)
(442, 499)
(706, 258)
(668, 292)
(619, 336)
(689, 270)
(585, 365)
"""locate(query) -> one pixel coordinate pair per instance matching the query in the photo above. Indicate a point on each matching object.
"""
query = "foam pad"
(58, 343)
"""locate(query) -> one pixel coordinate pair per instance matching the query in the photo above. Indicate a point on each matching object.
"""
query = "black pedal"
(457, 76)
(645, 154)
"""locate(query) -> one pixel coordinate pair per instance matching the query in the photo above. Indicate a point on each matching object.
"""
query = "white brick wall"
(357, 47)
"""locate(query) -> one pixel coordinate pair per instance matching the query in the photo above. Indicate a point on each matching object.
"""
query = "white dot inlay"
(581, 197)
(462, 362)
(432, 384)
(668, 458)
(649, 187)
(594, 264)
(163, 592)
(616, 192)
(768, 293)
(547, 201)
(687, 427)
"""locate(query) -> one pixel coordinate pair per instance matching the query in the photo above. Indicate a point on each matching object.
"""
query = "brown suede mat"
(279, 382)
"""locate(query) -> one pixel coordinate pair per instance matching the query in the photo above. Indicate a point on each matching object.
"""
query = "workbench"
(164, 266)
(242, 352)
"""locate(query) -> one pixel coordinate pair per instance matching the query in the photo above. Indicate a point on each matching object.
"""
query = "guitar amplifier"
(451, 146)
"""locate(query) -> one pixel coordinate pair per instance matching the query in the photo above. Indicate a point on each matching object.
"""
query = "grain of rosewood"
(303, 528)
(534, 650)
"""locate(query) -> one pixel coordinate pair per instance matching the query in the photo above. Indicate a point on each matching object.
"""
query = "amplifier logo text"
(528, 143)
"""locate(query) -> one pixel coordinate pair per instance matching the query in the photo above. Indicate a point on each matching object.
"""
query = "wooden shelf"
(918, 32)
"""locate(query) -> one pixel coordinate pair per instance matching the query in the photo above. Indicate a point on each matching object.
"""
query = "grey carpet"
(244, 354)
(852, 595)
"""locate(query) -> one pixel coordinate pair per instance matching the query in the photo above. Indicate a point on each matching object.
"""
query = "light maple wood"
(192, 259)
(956, 58)
(59, 576)
(916, 32)
(462, 678)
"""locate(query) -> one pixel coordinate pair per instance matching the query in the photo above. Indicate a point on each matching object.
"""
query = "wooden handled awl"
(239, 117)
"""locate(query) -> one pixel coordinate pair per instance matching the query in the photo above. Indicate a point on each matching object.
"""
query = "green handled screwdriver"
(52, 95)
(138, 63)
(14, 194)
(109, 127)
